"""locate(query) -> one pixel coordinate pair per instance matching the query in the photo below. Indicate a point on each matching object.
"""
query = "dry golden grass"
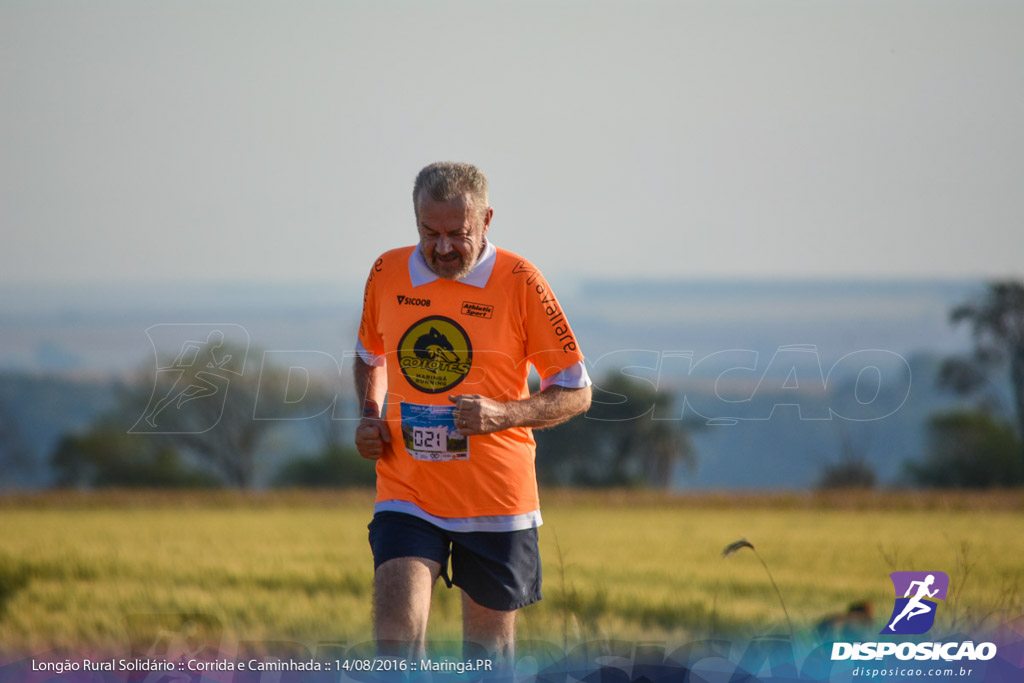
(83, 570)
(856, 499)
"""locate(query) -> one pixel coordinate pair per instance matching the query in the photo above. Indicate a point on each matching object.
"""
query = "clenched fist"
(475, 414)
(372, 438)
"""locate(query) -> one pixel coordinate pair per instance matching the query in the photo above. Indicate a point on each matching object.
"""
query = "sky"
(194, 142)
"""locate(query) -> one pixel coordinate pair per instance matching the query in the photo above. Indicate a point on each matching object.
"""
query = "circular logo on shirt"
(435, 354)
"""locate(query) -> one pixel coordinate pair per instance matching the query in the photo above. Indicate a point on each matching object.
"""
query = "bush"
(969, 449)
(618, 442)
(848, 473)
(108, 457)
(335, 467)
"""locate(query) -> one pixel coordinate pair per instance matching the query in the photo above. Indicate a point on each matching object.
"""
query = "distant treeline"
(201, 421)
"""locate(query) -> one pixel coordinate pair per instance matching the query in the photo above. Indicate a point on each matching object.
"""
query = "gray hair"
(446, 180)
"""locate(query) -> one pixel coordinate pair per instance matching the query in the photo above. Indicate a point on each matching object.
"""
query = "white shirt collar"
(421, 274)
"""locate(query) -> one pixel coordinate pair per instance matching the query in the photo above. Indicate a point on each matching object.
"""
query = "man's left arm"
(554, 405)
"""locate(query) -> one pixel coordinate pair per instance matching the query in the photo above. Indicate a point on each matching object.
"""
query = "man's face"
(451, 234)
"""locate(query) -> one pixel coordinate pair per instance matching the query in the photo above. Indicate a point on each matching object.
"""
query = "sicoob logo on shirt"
(435, 354)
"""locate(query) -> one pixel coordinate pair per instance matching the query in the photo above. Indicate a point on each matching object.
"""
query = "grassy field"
(91, 571)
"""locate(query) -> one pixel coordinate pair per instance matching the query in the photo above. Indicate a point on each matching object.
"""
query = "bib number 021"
(429, 433)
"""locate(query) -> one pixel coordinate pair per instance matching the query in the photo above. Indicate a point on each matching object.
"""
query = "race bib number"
(429, 433)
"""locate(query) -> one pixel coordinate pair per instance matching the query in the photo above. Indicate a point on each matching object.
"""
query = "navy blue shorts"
(498, 569)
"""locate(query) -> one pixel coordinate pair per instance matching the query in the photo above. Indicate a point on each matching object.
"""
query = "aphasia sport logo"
(914, 614)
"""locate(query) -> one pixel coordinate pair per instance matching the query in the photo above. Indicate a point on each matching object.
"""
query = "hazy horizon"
(105, 327)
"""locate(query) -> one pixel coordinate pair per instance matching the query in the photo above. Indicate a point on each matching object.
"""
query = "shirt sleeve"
(369, 358)
(370, 344)
(551, 345)
(573, 377)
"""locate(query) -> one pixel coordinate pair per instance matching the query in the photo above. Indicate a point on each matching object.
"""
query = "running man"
(449, 331)
(916, 605)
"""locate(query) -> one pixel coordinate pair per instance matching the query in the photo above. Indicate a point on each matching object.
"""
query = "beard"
(455, 267)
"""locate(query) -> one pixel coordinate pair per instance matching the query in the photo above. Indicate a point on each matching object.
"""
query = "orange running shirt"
(442, 338)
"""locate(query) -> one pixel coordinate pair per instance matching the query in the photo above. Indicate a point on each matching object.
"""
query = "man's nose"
(444, 245)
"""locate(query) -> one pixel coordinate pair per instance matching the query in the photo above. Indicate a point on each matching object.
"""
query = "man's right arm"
(372, 434)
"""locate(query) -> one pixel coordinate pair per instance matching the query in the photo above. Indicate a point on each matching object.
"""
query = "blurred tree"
(997, 327)
(335, 467)
(16, 460)
(108, 456)
(618, 442)
(219, 413)
(852, 470)
(969, 449)
(332, 432)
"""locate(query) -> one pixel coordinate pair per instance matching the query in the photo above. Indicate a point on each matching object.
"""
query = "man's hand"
(475, 414)
(372, 434)
(372, 437)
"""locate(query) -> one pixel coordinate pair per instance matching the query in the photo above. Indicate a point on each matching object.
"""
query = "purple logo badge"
(914, 612)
